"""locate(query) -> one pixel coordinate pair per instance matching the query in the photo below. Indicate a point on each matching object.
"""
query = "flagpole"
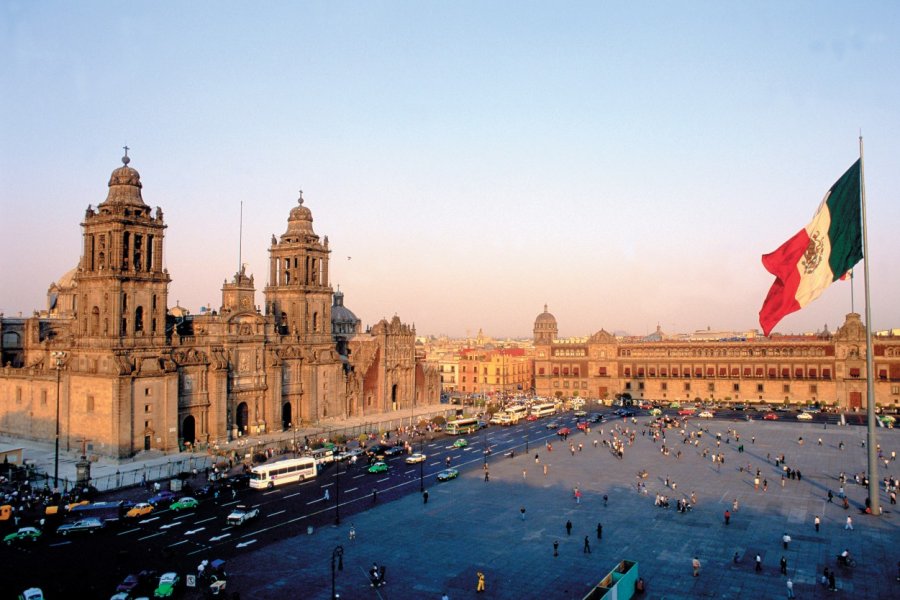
(870, 369)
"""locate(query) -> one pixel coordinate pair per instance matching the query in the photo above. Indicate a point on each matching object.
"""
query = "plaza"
(470, 525)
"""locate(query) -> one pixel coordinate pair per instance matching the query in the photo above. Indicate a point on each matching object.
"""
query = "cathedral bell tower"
(121, 285)
(298, 295)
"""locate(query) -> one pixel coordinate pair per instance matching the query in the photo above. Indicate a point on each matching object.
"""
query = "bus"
(461, 426)
(108, 512)
(543, 410)
(516, 412)
(282, 471)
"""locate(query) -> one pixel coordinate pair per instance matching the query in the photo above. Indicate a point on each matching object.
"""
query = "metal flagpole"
(870, 369)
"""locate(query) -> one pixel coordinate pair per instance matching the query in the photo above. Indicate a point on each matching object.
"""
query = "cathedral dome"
(125, 185)
(343, 321)
(299, 223)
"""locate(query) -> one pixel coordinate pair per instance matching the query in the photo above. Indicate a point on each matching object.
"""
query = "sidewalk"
(108, 473)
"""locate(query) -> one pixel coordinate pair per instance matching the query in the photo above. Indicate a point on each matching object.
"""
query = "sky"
(626, 164)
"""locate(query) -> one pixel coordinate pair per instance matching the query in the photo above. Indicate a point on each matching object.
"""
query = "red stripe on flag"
(782, 263)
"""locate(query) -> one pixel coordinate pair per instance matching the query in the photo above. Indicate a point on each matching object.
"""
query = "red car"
(686, 412)
(563, 431)
(770, 416)
(582, 425)
(531, 418)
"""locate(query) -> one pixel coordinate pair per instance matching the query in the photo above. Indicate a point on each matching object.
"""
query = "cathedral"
(109, 362)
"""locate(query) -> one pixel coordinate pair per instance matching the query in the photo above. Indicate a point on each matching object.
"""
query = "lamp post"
(58, 358)
(337, 489)
(337, 555)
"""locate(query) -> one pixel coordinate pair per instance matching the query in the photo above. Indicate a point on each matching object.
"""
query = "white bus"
(283, 471)
(516, 412)
(461, 426)
(543, 410)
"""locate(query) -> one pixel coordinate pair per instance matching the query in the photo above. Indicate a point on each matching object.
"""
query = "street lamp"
(58, 358)
(337, 489)
(336, 555)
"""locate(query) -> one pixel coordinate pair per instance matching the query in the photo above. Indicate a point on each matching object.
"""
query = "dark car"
(393, 451)
(238, 482)
(596, 418)
(89, 525)
(377, 450)
(163, 497)
(552, 425)
(135, 583)
(205, 491)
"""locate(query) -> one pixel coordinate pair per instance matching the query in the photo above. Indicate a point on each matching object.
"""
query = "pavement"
(469, 525)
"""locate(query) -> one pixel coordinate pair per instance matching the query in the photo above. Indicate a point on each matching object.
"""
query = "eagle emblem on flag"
(812, 257)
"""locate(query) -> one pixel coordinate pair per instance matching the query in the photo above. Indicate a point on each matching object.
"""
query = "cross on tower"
(126, 148)
(84, 442)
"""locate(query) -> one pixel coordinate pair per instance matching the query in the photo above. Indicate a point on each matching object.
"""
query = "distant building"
(133, 375)
(719, 366)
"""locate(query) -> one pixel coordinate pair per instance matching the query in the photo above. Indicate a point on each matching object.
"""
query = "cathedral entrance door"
(243, 418)
(286, 416)
(188, 430)
(855, 400)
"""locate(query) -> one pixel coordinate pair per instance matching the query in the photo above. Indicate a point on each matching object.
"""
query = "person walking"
(326, 496)
(568, 527)
(695, 563)
(479, 587)
(832, 583)
(727, 516)
(817, 521)
(587, 545)
(487, 475)
(555, 547)
(790, 589)
(734, 505)
(785, 540)
(522, 511)
(758, 563)
(849, 524)
(352, 532)
(783, 564)
(599, 531)
(425, 497)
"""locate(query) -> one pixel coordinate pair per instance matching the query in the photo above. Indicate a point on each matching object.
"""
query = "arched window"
(315, 322)
(139, 319)
(95, 320)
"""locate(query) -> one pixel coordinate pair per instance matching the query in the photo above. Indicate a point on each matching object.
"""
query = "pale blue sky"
(625, 163)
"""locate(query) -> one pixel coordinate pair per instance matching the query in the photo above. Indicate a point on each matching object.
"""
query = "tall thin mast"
(870, 369)
(240, 235)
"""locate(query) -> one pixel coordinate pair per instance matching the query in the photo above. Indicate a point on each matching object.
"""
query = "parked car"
(185, 503)
(447, 475)
(415, 458)
(164, 497)
(770, 416)
(686, 412)
(167, 584)
(133, 583)
(29, 534)
(90, 525)
(706, 414)
(379, 467)
(804, 416)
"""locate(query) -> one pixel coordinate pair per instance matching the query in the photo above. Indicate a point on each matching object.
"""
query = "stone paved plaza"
(469, 525)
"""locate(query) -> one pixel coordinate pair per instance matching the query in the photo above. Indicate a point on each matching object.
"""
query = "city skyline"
(469, 163)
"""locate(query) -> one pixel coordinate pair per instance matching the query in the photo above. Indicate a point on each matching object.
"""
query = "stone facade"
(130, 374)
(799, 370)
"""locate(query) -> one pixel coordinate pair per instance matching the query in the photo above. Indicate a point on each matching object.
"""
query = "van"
(323, 456)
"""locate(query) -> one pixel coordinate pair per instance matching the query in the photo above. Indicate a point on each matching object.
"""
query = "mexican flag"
(822, 252)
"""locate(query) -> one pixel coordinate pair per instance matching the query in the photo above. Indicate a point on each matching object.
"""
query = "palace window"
(759, 388)
(687, 387)
(786, 388)
(826, 373)
(664, 386)
(854, 372)
(813, 388)
(89, 404)
(711, 387)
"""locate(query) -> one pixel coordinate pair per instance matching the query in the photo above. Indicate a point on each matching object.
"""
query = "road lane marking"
(350, 490)
(276, 513)
(385, 479)
(178, 543)
(150, 536)
(314, 501)
(129, 531)
(205, 520)
(292, 495)
(148, 520)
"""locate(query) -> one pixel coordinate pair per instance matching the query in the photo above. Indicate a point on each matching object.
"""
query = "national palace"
(824, 368)
(112, 363)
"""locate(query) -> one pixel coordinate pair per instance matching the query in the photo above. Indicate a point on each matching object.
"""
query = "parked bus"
(516, 413)
(461, 426)
(543, 410)
(282, 471)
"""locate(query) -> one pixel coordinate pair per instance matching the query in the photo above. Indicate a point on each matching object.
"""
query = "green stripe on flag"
(845, 232)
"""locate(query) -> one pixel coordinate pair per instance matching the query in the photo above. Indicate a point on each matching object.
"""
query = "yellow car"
(139, 510)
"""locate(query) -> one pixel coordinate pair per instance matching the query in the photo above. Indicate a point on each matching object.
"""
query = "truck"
(241, 514)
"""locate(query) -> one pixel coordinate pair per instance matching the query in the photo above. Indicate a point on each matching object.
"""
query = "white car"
(415, 458)
(242, 514)
(706, 415)
(804, 417)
